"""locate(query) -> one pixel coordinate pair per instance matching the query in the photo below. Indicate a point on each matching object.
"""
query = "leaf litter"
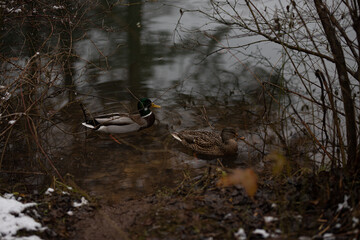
(218, 204)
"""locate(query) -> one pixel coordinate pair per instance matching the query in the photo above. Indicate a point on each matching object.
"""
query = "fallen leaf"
(279, 160)
(247, 178)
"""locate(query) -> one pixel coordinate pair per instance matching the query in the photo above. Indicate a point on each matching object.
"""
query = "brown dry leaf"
(247, 178)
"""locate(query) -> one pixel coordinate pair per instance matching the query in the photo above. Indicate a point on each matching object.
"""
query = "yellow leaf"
(279, 161)
(247, 178)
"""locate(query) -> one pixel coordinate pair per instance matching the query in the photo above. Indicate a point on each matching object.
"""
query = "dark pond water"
(141, 48)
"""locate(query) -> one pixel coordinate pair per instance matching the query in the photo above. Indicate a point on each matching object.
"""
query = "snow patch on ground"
(262, 233)
(269, 219)
(240, 234)
(83, 202)
(12, 219)
(49, 191)
(344, 205)
(329, 236)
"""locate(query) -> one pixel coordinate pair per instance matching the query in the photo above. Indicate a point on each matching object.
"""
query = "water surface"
(143, 50)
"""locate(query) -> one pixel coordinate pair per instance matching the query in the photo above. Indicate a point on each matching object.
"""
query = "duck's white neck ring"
(147, 115)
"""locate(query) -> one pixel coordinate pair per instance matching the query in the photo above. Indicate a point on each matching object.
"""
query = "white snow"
(329, 236)
(58, 7)
(9, 196)
(269, 219)
(6, 96)
(12, 122)
(12, 219)
(355, 221)
(70, 213)
(240, 234)
(83, 202)
(14, 10)
(49, 191)
(343, 205)
(261, 232)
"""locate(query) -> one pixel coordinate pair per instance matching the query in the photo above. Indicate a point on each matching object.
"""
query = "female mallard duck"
(209, 143)
(124, 122)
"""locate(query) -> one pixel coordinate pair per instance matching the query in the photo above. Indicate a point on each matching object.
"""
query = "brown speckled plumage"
(209, 143)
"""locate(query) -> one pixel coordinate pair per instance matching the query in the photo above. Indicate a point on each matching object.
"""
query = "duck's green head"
(144, 106)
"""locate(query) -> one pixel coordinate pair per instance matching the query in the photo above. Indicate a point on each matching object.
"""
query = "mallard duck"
(124, 122)
(209, 143)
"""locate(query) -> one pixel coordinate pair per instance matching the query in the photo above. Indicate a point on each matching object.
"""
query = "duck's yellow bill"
(155, 106)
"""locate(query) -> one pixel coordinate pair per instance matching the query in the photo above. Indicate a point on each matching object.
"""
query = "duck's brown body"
(209, 143)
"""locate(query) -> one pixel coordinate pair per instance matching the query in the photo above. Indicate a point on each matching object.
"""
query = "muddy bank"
(302, 206)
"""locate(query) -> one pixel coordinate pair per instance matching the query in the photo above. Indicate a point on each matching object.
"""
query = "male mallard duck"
(209, 143)
(124, 122)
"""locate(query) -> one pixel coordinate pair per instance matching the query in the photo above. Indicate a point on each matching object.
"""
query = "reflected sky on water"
(150, 50)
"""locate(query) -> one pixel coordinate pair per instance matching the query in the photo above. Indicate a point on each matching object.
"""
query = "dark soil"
(303, 205)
